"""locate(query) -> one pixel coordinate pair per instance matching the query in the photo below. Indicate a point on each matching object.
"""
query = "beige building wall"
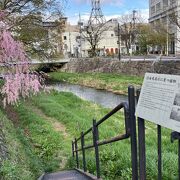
(159, 12)
(107, 46)
(70, 40)
(73, 41)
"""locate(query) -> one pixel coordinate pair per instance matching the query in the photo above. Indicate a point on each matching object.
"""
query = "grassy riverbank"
(20, 162)
(111, 82)
(46, 124)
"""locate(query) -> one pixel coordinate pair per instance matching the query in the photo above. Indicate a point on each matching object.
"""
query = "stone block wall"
(138, 68)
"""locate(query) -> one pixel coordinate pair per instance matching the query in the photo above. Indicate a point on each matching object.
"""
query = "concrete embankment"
(138, 68)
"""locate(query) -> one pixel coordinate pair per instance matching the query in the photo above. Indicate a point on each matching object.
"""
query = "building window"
(78, 38)
(107, 51)
(152, 9)
(65, 38)
(164, 20)
(172, 2)
(165, 3)
(158, 7)
(152, 1)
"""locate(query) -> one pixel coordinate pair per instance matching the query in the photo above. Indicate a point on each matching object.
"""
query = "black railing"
(130, 132)
(138, 169)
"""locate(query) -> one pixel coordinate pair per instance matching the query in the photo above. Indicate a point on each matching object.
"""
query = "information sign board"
(159, 100)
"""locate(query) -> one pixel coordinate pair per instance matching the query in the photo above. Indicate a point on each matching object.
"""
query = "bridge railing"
(130, 132)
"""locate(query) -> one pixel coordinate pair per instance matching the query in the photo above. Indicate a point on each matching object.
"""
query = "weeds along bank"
(116, 83)
(34, 146)
(40, 139)
(20, 162)
(136, 68)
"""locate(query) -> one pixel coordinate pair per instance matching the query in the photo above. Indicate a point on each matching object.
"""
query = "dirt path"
(57, 126)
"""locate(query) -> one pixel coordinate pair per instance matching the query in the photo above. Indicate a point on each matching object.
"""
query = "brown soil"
(12, 115)
(59, 127)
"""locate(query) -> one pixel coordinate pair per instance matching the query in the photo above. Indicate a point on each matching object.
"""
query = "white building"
(160, 12)
(76, 45)
(70, 40)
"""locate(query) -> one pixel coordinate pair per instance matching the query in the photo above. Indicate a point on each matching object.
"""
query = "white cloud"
(74, 19)
(113, 2)
(143, 13)
(81, 1)
(106, 2)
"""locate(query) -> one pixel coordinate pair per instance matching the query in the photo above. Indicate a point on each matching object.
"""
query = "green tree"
(27, 22)
(154, 36)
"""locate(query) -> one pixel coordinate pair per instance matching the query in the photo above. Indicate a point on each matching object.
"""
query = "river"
(102, 97)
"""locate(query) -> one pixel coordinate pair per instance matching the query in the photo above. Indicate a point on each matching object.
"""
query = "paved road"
(65, 175)
(34, 61)
(150, 58)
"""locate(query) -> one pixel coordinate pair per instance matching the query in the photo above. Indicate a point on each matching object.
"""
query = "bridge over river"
(36, 62)
(56, 61)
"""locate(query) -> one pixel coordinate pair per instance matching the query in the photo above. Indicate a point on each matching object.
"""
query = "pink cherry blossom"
(19, 81)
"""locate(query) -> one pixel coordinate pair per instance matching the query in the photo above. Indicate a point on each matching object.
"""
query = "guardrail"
(130, 132)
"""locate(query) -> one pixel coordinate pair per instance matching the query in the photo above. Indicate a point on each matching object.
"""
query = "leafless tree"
(129, 28)
(93, 33)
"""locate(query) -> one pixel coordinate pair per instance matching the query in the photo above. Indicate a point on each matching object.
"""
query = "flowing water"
(102, 97)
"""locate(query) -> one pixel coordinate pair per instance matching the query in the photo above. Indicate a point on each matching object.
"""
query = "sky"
(110, 8)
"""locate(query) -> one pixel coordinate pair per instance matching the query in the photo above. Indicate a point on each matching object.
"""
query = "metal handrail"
(138, 150)
(96, 142)
(107, 116)
(130, 132)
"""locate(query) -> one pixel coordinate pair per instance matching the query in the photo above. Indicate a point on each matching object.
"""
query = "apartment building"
(160, 11)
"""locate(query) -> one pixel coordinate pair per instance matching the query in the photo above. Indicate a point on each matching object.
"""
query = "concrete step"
(65, 175)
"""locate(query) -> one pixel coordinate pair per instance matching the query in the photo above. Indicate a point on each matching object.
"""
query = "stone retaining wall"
(138, 68)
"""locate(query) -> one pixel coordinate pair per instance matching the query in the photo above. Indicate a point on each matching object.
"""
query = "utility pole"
(70, 42)
(133, 29)
(167, 38)
(119, 43)
(80, 24)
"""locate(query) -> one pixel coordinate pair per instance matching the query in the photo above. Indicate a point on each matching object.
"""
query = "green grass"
(21, 164)
(77, 116)
(43, 139)
(34, 146)
(111, 82)
(45, 146)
